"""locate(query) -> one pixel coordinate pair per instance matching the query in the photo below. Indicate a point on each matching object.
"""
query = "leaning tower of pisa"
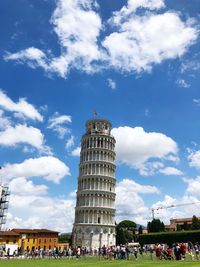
(94, 224)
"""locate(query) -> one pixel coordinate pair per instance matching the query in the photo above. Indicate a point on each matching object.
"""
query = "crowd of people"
(178, 251)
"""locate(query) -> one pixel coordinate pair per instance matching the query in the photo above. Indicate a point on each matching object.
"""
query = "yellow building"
(9, 237)
(63, 246)
(30, 239)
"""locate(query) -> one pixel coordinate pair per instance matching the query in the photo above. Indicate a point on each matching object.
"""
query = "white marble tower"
(94, 224)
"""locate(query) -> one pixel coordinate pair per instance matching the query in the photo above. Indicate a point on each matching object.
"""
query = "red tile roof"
(8, 233)
(34, 231)
(25, 231)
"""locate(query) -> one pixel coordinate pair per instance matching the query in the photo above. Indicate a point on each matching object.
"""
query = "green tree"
(178, 227)
(125, 232)
(186, 226)
(195, 223)
(120, 236)
(155, 226)
(65, 238)
(128, 225)
(140, 230)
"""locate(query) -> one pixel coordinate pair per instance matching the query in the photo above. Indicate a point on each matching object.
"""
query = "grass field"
(96, 263)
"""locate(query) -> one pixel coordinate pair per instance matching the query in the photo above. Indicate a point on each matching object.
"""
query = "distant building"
(63, 245)
(174, 223)
(144, 231)
(94, 224)
(29, 239)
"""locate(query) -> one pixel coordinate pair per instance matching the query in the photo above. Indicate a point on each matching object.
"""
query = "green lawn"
(95, 263)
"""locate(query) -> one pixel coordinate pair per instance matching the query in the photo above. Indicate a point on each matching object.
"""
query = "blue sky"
(136, 63)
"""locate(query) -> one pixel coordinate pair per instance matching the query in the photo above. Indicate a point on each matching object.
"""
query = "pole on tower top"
(95, 113)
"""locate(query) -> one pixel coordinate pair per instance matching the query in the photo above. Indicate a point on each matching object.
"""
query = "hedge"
(170, 237)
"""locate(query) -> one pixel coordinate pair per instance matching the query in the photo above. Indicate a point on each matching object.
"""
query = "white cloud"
(171, 171)
(111, 84)
(57, 123)
(131, 186)
(37, 211)
(184, 207)
(21, 186)
(191, 205)
(77, 26)
(129, 203)
(193, 188)
(182, 83)
(142, 38)
(34, 57)
(76, 152)
(143, 151)
(196, 101)
(73, 194)
(4, 121)
(49, 168)
(190, 66)
(194, 159)
(22, 107)
(146, 112)
(165, 210)
(59, 119)
(31, 207)
(24, 134)
(61, 131)
(70, 142)
(168, 201)
(133, 5)
(27, 149)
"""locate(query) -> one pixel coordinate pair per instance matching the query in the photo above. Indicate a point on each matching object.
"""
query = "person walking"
(135, 251)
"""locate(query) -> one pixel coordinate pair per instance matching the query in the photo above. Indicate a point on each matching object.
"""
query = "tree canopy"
(155, 226)
(195, 223)
(129, 225)
(125, 232)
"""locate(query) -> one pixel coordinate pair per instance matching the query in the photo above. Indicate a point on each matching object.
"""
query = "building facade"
(94, 224)
(175, 223)
(30, 239)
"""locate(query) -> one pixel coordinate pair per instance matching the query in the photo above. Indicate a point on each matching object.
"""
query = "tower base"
(93, 237)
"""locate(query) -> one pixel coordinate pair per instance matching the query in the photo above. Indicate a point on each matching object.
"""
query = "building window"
(33, 240)
(39, 241)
